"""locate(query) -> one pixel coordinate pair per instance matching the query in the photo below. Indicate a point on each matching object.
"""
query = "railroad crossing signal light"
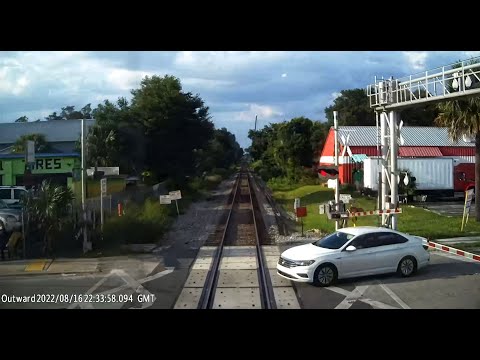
(330, 172)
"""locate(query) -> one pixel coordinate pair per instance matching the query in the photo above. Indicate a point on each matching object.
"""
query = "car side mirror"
(351, 248)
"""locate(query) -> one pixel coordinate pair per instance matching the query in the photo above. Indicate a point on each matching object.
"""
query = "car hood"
(306, 252)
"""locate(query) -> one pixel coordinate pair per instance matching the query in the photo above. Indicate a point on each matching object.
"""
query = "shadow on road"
(440, 268)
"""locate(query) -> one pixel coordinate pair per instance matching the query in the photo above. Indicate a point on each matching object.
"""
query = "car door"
(389, 251)
(361, 261)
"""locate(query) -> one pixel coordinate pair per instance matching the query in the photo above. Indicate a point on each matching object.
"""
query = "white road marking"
(355, 295)
(394, 296)
(138, 288)
(126, 286)
(338, 290)
(374, 303)
(377, 304)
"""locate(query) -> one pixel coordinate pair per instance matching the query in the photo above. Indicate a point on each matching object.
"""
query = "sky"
(235, 85)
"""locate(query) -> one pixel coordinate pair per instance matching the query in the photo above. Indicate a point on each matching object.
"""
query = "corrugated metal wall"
(457, 150)
(367, 150)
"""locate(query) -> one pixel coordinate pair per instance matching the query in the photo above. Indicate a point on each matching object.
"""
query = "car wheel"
(407, 266)
(325, 275)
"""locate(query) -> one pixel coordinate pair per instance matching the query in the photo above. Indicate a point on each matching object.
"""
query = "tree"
(41, 145)
(53, 116)
(47, 210)
(353, 108)
(69, 113)
(176, 125)
(22, 119)
(113, 140)
(223, 151)
(285, 149)
(462, 117)
(420, 115)
(86, 111)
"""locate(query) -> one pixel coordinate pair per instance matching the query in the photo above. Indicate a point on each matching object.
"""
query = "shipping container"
(432, 174)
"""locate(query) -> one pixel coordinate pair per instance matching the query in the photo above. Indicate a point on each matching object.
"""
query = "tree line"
(163, 130)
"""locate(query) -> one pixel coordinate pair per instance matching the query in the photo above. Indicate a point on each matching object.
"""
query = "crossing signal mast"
(388, 96)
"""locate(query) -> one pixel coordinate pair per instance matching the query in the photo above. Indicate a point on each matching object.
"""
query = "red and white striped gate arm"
(375, 212)
(454, 251)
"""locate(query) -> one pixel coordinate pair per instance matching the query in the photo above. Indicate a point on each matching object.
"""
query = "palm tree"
(47, 210)
(41, 144)
(462, 117)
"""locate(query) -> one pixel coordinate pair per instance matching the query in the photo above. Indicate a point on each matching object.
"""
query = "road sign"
(328, 171)
(175, 195)
(301, 211)
(103, 186)
(345, 198)
(165, 199)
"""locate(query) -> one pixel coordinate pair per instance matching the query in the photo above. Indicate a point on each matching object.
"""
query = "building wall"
(328, 148)
(10, 167)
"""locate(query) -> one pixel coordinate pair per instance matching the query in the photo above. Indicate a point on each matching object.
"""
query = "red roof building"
(364, 141)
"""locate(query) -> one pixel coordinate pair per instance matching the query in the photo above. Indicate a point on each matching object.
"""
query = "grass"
(413, 220)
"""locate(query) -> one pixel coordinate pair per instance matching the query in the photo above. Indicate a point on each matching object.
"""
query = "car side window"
(364, 241)
(390, 239)
(18, 194)
(5, 194)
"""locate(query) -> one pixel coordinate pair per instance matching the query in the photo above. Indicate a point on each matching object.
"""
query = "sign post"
(175, 195)
(103, 192)
(296, 205)
(301, 212)
(468, 205)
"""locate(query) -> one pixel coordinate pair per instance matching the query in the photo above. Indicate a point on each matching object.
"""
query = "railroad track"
(238, 275)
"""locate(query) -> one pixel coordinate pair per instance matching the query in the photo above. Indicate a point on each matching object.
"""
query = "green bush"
(221, 172)
(139, 225)
(302, 178)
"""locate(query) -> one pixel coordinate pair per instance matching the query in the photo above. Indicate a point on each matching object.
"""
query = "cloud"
(235, 85)
(416, 60)
(124, 79)
(262, 111)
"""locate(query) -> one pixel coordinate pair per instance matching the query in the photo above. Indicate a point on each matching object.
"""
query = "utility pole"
(337, 190)
(383, 188)
(255, 122)
(86, 244)
(393, 162)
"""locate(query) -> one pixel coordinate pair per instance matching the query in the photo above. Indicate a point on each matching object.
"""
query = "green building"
(58, 168)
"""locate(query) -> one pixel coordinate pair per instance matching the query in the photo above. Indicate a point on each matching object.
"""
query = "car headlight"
(304, 262)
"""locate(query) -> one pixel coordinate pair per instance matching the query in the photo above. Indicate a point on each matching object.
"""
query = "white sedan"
(352, 252)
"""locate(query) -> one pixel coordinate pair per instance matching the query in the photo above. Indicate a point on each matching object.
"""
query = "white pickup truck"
(12, 194)
(10, 218)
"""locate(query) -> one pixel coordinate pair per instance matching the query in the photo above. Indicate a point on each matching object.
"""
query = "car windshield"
(334, 241)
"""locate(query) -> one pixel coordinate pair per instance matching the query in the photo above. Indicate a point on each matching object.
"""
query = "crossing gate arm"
(374, 212)
(453, 251)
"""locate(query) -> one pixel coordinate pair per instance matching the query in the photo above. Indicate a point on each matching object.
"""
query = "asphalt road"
(447, 283)
(121, 287)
